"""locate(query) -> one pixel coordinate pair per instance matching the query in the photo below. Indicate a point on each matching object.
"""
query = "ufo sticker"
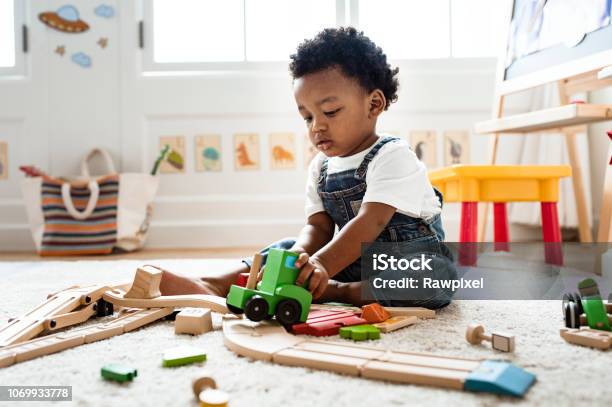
(65, 19)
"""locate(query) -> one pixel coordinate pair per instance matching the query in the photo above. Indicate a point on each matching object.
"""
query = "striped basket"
(67, 231)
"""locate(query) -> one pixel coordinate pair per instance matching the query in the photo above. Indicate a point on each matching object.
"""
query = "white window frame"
(152, 68)
(19, 69)
(347, 12)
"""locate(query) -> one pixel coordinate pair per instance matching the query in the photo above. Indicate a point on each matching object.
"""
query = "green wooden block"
(118, 373)
(182, 355)
(360, 332)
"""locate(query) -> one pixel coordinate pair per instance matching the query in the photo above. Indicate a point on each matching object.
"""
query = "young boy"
(372, 188)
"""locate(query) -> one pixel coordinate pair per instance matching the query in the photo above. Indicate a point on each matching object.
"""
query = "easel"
(579, 75)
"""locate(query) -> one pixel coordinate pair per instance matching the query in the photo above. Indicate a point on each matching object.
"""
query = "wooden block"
(146, 283)
(419, 312)
(183, 355)
(323, 322)
(193, 321)
(502, 342)
(360, 332)
(242, 279)
(395, 323)
(587, 337)
(118, 373)
(374, 313)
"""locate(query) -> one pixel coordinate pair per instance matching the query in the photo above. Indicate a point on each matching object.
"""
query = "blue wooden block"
(495, 376)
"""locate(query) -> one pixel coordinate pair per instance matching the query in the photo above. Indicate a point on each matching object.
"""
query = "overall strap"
(361, 171)
(322, 174)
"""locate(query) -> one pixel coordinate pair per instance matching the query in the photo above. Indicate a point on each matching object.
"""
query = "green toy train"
(275, 295)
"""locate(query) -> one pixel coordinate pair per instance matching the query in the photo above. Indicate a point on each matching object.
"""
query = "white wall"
(59, 111)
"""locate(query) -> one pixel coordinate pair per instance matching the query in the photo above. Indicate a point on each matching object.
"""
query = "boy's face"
(337, 112)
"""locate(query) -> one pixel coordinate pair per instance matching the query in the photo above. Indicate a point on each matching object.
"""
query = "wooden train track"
(270, 342)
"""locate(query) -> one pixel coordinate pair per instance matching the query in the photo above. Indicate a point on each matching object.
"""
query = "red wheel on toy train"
(256, 308)
(288, 312)
(571, 315)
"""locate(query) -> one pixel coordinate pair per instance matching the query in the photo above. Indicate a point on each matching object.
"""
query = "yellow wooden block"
(499, 183)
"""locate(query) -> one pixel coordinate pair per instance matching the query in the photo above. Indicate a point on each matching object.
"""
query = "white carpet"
(566, 374)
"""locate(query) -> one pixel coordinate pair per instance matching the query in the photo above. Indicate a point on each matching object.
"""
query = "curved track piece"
(270, 342)
(216, 304)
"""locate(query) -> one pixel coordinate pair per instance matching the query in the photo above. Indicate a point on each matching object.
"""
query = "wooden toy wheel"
(288, 312)
(235, 310)
(474, 333)
(572, 315)
(256, 308)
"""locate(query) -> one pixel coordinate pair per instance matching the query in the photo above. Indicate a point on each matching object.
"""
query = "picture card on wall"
(208, 152)
(423, 143)
(4, 168)
(456, 147)
(282, 151)
(309, 152)
(175, 159)
(246, 151)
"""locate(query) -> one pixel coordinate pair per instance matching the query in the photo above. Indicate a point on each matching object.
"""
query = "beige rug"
(566, 374)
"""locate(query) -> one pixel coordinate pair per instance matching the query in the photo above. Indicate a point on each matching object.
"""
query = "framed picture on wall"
(456, 147)
(423, 143)
(175, 159)
(4, 165)
(246, 151)
(282, 151)
(208, 152)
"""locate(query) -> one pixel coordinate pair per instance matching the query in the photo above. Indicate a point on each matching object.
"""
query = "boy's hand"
(311, 268)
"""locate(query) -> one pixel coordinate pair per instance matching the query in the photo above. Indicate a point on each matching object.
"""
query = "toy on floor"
(269, 341)
(275, 295)
(323, 322)
(593, 338)
(419, 312)
(75, 305)
(360, 332)
(499, 341)
(395, 323)
(182, 355)
(374, 313)
(118, 373)
(195, 321)
(146, 283)
(206, 392)
(593, 305)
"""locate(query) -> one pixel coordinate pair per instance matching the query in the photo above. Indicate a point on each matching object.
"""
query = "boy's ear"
(377, 102)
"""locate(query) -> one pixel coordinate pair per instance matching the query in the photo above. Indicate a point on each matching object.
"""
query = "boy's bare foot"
(344, 292)
(174, 284)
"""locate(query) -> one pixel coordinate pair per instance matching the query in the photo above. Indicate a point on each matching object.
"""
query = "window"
(11, 23)
(200, 34)
(204, 31)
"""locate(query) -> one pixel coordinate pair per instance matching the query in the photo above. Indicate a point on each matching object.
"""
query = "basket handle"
(91, 205)
(110, 166)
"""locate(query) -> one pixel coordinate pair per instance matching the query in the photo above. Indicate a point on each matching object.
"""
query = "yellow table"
(500, 184)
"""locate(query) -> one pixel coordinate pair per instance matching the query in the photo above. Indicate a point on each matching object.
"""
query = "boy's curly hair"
(354, 53)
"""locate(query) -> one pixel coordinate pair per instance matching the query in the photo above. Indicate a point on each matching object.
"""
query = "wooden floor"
(225, 252)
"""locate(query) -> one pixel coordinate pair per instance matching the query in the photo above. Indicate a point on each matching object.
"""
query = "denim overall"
(342, 194)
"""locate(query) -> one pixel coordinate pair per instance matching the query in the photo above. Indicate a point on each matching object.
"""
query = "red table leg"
(468, 235)
(551, 234)
(500, 222)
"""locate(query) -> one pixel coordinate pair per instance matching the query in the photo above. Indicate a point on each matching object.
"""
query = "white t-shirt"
(395, 177)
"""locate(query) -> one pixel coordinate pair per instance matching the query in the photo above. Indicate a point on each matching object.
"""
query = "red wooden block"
(374, 313)
(326, 322)
(242, 279)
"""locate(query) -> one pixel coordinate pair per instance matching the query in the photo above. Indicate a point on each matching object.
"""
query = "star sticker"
(60, 50)
(102, 42)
